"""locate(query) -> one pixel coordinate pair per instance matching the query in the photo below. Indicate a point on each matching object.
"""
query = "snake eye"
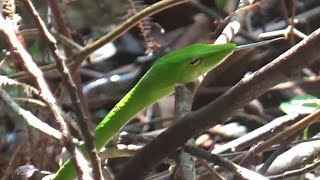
(196, 61)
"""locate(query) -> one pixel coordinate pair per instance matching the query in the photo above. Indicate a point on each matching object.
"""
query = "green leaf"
(304, 104)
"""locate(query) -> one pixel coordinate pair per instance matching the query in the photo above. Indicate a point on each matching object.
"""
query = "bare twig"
(14, 162)
(61, 24)
(113, 35)
(282, 147)
(240, 172)
(213, 173)
(260, 134)
(125, 26)
(296, 172)
(29, 117)
(298, 126)
(22, 55)
(67, 79)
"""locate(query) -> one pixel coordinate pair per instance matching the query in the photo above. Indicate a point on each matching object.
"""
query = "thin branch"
(304, 170)
(260, 134)
(14, 162)
(61, 24)
(113, 35)
(282, 147)
(290, 131)
(239, 172)
(71, 87)
(124, 27)
(297, 156)
(29, 117)
(22, 55)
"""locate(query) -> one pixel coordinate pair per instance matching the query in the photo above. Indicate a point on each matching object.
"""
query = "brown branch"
(14, 162)
(29, 117)
(71, 87)
(124, 27)
(281, 148)
(239, 172)
(22, 55)
(215, 159)
(61, 24)
(298, 126)
(296, 172)
(260, 134)
(63, 27)
(286, 65)
(298, 156)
